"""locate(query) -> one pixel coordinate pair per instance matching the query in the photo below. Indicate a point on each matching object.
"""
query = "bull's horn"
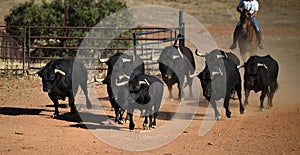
(221, 72)
(29, 72)
(59, 71)
(240, 66)
(175, 57)
(216, 73)
(99, 80)
(226, 56)
(121, 83)
(179, 51)
(103, 60)
(193, 75)
(220, 56)
(199, 53)
(124, 76)
(263, 65)
(144, 82)
(126, 60)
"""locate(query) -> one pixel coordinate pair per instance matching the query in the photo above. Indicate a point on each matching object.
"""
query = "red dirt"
(27, 126)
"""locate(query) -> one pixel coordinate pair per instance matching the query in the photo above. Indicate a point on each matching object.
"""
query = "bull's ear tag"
(59, 71)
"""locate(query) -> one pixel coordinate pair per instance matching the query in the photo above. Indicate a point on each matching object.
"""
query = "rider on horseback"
(252, 7)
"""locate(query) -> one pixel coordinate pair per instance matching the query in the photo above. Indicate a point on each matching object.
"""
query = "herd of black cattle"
(129, 87)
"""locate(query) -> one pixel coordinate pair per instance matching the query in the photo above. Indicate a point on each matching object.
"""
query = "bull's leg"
(121, 112)
(238, 89)
(127, 118)
(55, 101)
(86, 94)
(247, 93)
(262, 98)
(180, 91)
(71, 103)
(270, 99)
(153, 121)
(131, 123)
(146, 123)
(273, 88)
(116, 114)
(191, 96)
(170, 92)
(214, 105)
(226, 105)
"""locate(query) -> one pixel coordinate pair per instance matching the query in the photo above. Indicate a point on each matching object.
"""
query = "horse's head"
(245, 19)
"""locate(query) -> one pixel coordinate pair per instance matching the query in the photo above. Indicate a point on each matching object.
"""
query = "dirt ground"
(27, 125)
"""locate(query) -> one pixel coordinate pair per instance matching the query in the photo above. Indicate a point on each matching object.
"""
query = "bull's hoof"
(153, 126)
(120, 122)
(228, 114)
(131, 126)
(242, 111)
(55, 115)
(73, 110)
(261, 109)
(88, 105)
(146, 126)
(218, 117)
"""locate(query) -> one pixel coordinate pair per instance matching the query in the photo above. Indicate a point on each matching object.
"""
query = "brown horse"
(247, 39)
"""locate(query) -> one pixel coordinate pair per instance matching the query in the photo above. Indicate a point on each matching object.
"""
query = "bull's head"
(251, 72)
(49, 76)
(205, 80)
(122, 80)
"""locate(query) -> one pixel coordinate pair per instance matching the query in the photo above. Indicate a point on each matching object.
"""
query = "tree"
(80, 13)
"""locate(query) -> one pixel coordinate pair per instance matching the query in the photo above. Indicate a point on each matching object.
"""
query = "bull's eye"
(50, 76)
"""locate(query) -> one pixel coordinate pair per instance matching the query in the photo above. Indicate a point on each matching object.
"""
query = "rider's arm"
(240, 8)
(253, 14)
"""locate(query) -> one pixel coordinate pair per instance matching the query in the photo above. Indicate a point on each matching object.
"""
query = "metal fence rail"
(23, 48)
(16, 51)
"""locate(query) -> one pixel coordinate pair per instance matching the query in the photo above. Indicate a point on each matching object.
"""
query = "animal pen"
(21, 49)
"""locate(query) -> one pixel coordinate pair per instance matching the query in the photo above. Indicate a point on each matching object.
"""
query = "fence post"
(134, 43)
(181, 30)
(29, 47)
(24, 49)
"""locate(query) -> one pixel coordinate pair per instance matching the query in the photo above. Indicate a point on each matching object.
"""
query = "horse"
(247, 39)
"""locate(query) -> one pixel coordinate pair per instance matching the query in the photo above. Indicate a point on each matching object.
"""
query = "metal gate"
(149, 44)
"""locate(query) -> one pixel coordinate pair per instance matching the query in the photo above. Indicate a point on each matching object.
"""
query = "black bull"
(261, 74)
(61, 78)
(147, 93)
(120, 69)
(130, 88)
(176, 64)
(219, 78)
